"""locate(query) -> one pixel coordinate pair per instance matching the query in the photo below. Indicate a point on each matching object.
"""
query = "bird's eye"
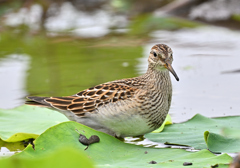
(155, 54)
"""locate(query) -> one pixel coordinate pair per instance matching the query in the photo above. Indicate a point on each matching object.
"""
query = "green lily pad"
(13, 146)
(191, 133)
(61, 158)
(27, 122)
(231, 132)
(111, 152)
(219, 143)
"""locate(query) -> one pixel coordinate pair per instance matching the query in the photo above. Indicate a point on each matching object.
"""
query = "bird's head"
(161, 58)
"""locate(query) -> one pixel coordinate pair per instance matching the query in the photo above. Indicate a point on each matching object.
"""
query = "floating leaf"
(111, 152)
(191, 133)
(13, 146)
(63, 157)
(218, 143)
(27, 122)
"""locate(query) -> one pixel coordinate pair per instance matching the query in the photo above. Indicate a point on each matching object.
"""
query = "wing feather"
(91, 99)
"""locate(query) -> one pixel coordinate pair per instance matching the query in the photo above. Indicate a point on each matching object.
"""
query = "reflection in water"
(13, 74)
(200, 58)
(61, 69)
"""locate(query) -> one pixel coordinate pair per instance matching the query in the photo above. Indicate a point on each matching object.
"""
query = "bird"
(122, 108)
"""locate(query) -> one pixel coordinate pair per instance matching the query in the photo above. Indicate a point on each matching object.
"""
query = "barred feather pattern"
(91, 99)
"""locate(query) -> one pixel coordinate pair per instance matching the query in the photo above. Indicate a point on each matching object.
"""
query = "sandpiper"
(126, 107)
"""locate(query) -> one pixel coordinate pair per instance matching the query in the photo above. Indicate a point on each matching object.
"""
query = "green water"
(64, 66)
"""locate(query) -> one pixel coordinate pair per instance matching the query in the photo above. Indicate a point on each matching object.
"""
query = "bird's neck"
(159, 78)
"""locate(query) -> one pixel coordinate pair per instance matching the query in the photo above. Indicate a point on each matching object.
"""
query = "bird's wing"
(89, 99)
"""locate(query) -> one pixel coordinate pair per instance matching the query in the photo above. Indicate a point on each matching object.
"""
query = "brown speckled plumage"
(126, 107)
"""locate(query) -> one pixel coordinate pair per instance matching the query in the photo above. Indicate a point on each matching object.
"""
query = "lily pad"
(191, 133)
(63, 157)
(218, 143)
(13, 146)
(111, 152)
(27, 122)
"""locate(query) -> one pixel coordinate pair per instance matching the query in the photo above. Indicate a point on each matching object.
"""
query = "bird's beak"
(170, 68)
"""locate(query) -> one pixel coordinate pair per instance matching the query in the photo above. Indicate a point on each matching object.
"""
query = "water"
(60, 67)
(13, 71)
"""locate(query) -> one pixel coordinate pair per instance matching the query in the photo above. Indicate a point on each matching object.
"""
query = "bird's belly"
(125, 118)
(125, 124)
(133, 126)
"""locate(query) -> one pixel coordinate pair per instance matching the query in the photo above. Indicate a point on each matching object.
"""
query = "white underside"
(120, 126)
(124, 126)
(115, 121)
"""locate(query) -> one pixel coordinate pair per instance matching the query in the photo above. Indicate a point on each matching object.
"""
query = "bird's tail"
(37, 101)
